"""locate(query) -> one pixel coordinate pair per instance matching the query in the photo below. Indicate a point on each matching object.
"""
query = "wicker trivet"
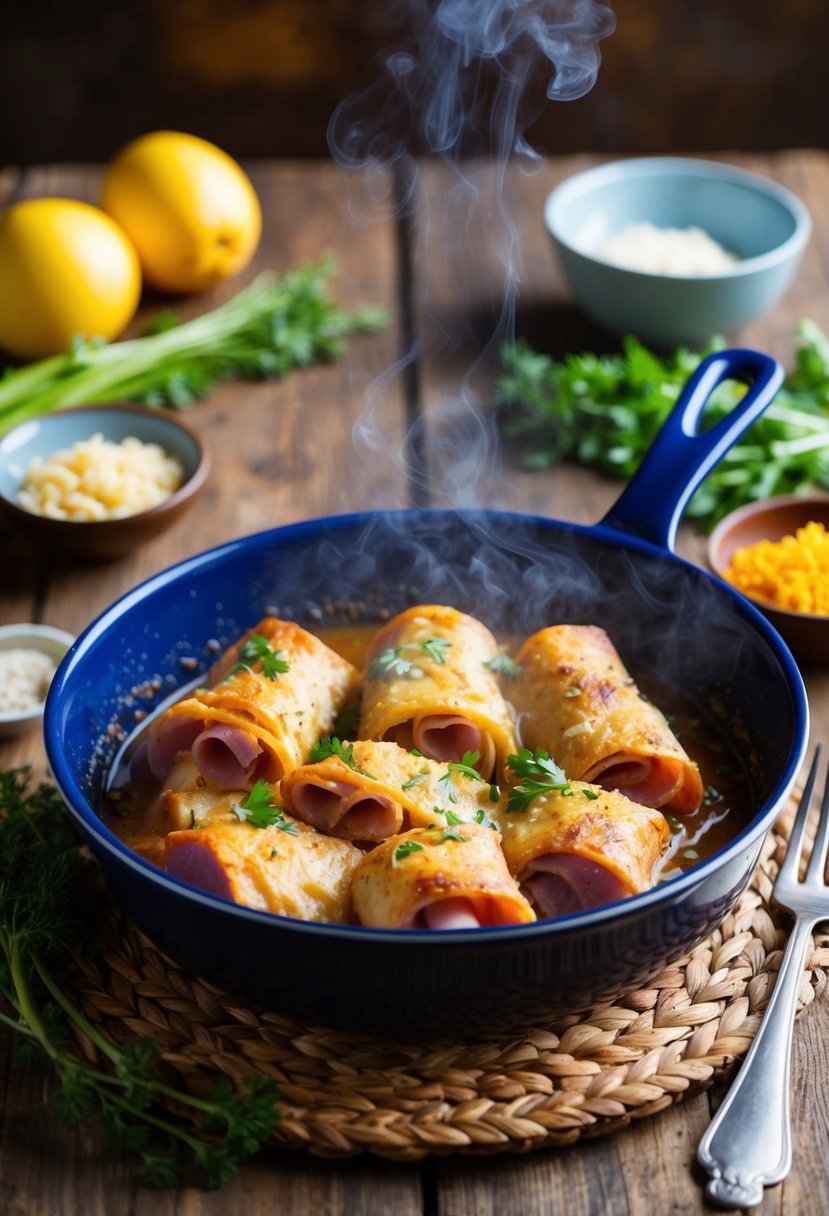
(586, 1075)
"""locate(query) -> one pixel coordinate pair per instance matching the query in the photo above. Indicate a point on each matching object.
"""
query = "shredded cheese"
(96, 479)
(792, 573)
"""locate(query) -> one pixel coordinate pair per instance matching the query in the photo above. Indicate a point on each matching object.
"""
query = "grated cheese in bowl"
(669, 251)
(792, 573)
(97, 479)
(25, 676)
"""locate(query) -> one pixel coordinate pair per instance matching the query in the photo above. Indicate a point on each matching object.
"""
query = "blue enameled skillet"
(670, 621)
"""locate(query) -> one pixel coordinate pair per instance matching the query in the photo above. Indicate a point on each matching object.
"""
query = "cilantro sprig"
(260, 810)
(537, 775)
(50, 893)
(257, 649)
(404, 850)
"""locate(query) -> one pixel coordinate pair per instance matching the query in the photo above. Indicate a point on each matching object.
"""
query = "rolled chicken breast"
(369, 790)
(438, 878)
(581, 847)
(269, 699)
(429, 687)
(574, 697)
(296, 872)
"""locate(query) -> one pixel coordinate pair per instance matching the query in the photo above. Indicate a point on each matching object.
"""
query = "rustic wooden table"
(338, 438)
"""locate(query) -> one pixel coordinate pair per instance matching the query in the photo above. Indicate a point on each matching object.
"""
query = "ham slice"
(167, 737)
(344, 808)
(226, 755)
(582, 847)
(450, 737)
(561, 882)
(652, 782)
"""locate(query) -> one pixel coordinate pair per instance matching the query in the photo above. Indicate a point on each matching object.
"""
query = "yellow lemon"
(188, 208)
(66, 270)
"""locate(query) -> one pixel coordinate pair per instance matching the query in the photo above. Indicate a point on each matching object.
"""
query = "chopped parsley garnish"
(711, 795)
(448, 815)
(436, 649)
(393, 660)
(572, 692)
(260, 810)
(484, 820)
(416, 780)
(589, 794)
(389, 662)
(538, 775)
(503, 665)
(257, 649)
(330, 745)
(403, 850)
(449, 834)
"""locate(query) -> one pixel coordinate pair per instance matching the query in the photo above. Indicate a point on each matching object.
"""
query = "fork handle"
(748, 1143)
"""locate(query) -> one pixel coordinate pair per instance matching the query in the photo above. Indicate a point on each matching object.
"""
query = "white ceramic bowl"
(765, 225)
(49, 641)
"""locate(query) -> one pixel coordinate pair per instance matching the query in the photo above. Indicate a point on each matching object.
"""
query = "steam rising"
(466, 83)
(468, 79)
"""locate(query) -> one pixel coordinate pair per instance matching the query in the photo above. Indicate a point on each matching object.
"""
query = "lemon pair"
(176, 213)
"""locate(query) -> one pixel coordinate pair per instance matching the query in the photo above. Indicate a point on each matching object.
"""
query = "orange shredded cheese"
(792, 573)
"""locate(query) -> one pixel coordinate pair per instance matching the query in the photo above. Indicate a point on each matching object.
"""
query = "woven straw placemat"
(585, 1075)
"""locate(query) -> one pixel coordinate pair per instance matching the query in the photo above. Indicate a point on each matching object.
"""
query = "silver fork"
(748, 1144)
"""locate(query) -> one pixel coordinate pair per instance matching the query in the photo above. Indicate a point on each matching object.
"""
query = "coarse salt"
(25, 676)
(675, 251)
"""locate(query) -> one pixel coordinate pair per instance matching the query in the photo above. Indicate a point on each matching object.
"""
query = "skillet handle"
(681, 457)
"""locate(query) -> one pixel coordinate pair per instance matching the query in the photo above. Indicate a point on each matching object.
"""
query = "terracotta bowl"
(106, 538)
(771, 519)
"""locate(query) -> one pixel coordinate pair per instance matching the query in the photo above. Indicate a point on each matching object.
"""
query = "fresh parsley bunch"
(604, 411)
(49, 896)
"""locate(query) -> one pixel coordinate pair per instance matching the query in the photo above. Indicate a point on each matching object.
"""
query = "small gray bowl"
(54, 643)
(109, 538)
(765, 225)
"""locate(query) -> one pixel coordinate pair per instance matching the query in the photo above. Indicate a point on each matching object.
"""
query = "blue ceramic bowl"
(765, 225)
(670, 618)
(50, 433)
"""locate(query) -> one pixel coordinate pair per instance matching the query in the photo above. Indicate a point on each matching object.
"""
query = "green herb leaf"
(257, 649)
(417, 779)
(404, 850)
(389, 662)
(50, 893)
(260, 810)
(330, 745)
(263, 332)
(436, 648)
(538, 775)
(503, 665)
(605, 412)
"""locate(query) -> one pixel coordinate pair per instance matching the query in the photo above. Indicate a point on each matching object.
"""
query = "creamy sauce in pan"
(133, 813)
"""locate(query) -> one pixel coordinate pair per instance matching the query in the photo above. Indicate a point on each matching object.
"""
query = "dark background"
(262, 77)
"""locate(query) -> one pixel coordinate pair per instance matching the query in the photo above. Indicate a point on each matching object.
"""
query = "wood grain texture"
(286, 451)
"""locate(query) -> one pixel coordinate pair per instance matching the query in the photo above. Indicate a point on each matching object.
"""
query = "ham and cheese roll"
(577, 850)
(574, 697)
(270, 698)
(369, 790)
(438, 878)
(429, 687)
(295, 872)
